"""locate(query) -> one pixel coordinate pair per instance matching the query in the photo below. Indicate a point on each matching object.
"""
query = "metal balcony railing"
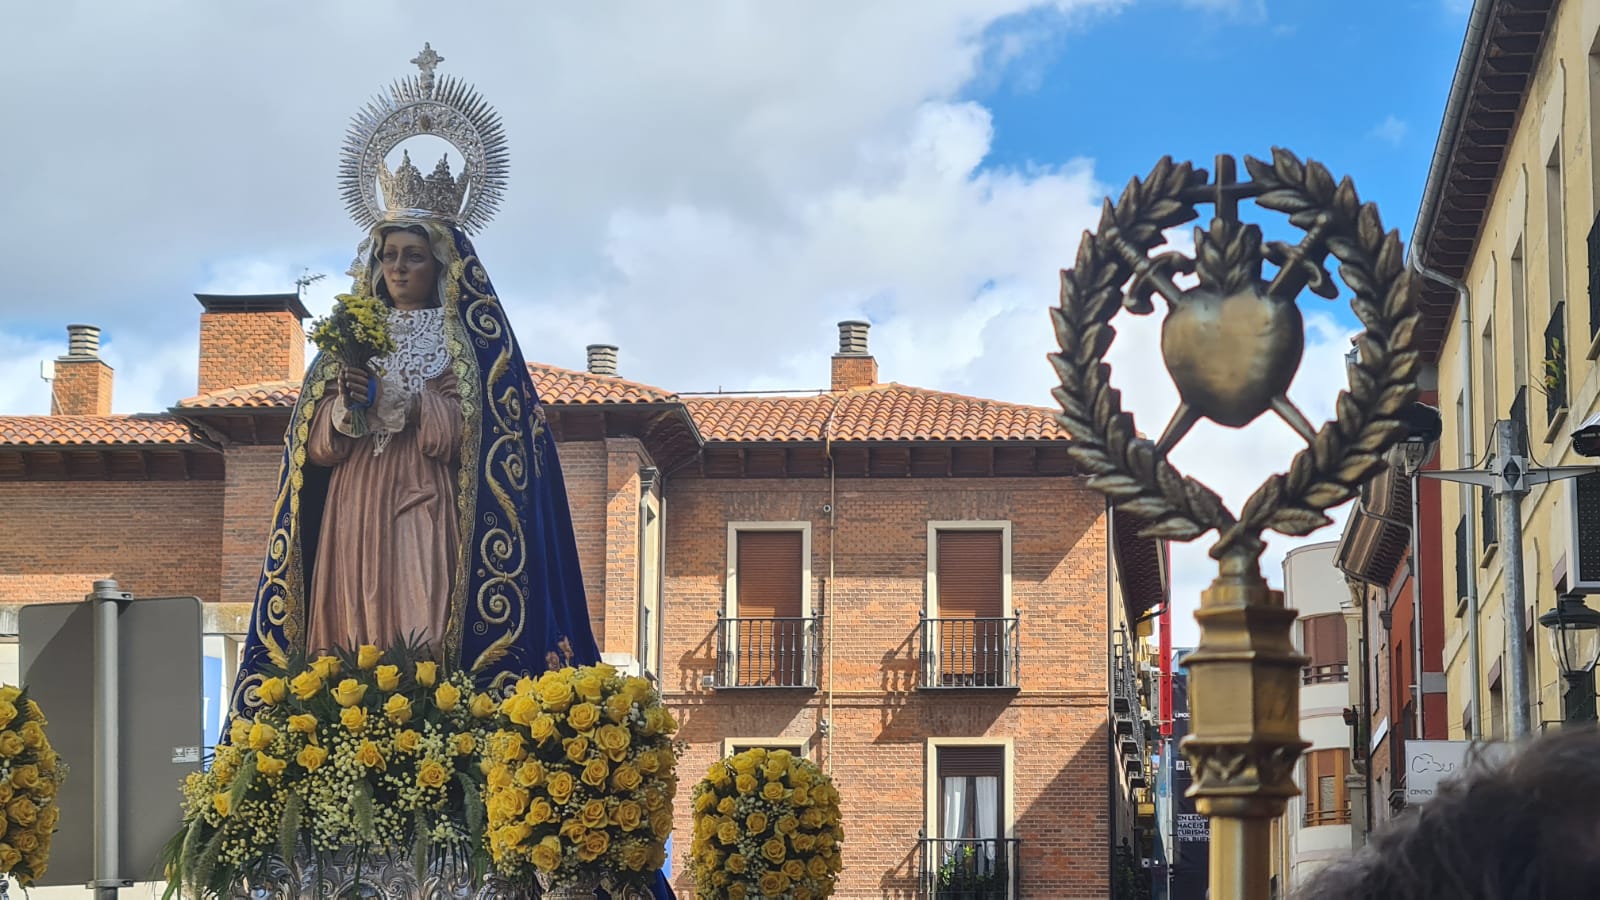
(970, 653)
(1325, 674)
(767, 653)
(971, 869)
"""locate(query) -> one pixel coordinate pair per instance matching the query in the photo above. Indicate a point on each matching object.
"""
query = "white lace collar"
(419, 353)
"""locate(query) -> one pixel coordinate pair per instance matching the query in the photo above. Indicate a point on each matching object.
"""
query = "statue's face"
(409, 270)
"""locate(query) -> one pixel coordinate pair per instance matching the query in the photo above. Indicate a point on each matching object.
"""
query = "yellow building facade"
(1510, 212)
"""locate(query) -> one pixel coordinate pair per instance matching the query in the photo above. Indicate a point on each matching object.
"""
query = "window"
(734, 746)
(1323, 639)
(969, 854)
(765, 637)
(1491, 404)
(1326, 800)
(969, 637)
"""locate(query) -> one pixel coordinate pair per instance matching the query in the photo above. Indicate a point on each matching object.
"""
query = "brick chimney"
(82, 383)
(250, 339)
(602, 359)
(853, 366)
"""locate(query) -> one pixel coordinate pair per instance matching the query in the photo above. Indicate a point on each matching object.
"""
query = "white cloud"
(1392, 130)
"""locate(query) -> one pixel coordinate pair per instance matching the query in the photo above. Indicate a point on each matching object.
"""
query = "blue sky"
(711, 185)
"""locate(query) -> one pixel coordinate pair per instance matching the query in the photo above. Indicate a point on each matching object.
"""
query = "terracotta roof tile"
(247, 396)
(139, 430)
(889, 412)
(569, 386)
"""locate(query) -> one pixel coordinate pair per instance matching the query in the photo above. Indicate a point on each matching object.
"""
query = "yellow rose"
(787, 825)
(745, 763)
(594, 846)
(397, 709)
(306, 685)
(559, 786)
(221, 802)
(595, 773)
(432, 775)
(593, 814)
(539, 811)
(526, 687)
(627, 778)
(628, 816)
(26, 841)
(648, 762)
(326, 667)
(727, 806)
(273, 691)
(577, 748)
(446, 696)
(311, 757)
(499, 777)
(531, 773)
(427, 673)
(543, 728)
(22, 811)
(25, 777)
(482, 706)
(745, 784)
(270, 765)
(736, 891)
(794, 868)
(614, 740)
(8, 711)
(305, 723)
(388, 677)
(801, 796)
(349, 692)
(369, 755)
(635, 856)
(737, 863)
(804, 843)
(520, 709)
(9, 693)
(507, 746)
(11, 743)
(817, 867)
(463, 743)
(5, 791)
(584, 717)
(239, 731)
(661, 823)
(589, 687)
(774, 850)
(546, 854)
(811, 818)
(617, 707)
(719, 775)
(408, 741)
(556, 695)
(728, 832)
(704, 802)
(772, 792)
(367, 656)
(354, 718)
(773, 884)
(755, 823)
(658, 720)
(261, 736)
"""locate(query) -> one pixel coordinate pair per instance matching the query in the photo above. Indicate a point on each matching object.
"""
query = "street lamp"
(1575, 641)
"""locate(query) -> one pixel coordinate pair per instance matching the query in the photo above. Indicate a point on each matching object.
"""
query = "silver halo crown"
(417, 105)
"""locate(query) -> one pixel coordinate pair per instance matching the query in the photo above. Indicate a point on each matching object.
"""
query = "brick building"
(912, 588)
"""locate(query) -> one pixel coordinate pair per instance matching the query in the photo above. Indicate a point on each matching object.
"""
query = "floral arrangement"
(766, 824)
(355, 332)
(375, 749)
(30, 776)
(580, 780)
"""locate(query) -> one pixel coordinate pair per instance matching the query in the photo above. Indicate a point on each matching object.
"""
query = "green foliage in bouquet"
(355, 332)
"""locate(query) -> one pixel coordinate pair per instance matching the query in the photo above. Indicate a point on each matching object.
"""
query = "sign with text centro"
(1430, 763)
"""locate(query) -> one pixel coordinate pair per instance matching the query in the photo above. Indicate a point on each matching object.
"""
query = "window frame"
(652, 555)
(930, 599)
(730, 594)
(1312, 814)
(800, 747)
(931, 786)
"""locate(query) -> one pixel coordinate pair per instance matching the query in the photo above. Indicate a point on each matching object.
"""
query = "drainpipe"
(1444, 145)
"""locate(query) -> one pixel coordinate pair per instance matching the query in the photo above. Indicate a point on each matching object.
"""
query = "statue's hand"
(354, 383)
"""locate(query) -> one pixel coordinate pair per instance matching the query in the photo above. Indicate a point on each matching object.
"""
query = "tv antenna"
(307, 279)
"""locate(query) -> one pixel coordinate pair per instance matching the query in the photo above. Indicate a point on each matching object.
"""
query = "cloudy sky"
(709, 185)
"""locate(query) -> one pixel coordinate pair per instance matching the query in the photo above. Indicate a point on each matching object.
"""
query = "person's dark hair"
(1525, 828)
(378, 285)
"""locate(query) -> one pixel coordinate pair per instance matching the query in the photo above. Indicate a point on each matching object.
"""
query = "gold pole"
(1244, 695)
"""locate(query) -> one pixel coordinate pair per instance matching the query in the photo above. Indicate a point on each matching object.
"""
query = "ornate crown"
(417, 105)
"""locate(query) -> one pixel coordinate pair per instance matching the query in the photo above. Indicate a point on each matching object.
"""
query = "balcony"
(1326, 674)
(767, 653)
(970, 869)
(969, 653)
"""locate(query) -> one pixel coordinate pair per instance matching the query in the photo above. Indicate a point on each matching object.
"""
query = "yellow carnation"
(367, 656)
(388, 677)
(427, 673)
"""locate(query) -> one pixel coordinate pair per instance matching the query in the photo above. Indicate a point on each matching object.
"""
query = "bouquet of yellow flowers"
(30, 776)
(374, 749)
(580, 780)
(766, 824)
(356, 332)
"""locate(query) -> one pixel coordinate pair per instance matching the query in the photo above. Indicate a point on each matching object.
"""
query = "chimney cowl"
(853, 337)
(602, 359)
(83, 342)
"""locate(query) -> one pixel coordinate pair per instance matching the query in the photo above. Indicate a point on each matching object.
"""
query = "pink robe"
(386, 554)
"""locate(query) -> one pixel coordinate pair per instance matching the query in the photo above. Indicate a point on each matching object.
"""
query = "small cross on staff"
(427, 61)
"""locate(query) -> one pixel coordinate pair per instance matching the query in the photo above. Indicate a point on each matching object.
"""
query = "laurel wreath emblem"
(1344, 453)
